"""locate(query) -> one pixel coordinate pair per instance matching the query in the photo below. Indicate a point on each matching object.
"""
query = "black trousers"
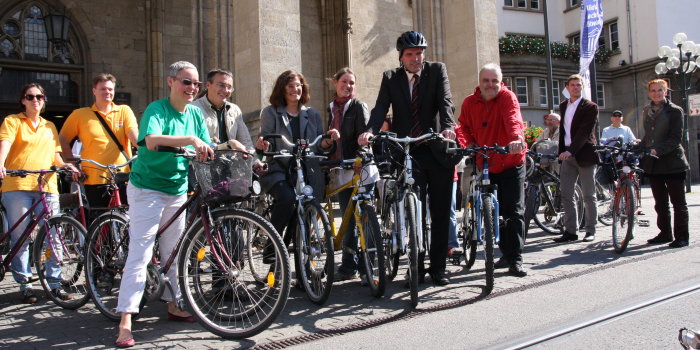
(435, 180)
(283, 209)
(670, 186)
(511, 195)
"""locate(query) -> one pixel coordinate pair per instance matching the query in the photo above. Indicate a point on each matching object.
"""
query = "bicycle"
(402, 222)
(313, 244)
(480, 220)
(215, 246)
(543, 191)
(57, 251)
(627, 190)
(361, 208)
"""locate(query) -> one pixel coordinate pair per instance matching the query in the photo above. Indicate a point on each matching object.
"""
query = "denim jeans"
(17, 203)
(452, 241)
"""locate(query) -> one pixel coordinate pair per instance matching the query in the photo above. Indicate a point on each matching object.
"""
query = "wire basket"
(226, 178)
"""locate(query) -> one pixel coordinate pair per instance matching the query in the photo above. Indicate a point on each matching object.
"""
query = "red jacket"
(486, 123)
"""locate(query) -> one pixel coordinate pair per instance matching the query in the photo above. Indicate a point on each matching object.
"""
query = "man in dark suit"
(578, 159)
(419, 95)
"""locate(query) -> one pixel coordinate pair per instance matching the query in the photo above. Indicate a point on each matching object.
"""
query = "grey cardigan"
(235, 126)
(664, 135)
(275, 120)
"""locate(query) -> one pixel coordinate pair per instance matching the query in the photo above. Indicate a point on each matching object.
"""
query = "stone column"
(266, 42)
(154, 44)
(214, 21)
(471, 40)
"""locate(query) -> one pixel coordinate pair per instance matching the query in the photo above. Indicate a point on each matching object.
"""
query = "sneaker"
(340, 276)
(454, 251)
(61, 294)
(28, 296)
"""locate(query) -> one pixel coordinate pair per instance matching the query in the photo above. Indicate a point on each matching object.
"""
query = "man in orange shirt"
(98, 145)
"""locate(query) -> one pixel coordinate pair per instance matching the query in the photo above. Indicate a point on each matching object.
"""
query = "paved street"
(350, 306)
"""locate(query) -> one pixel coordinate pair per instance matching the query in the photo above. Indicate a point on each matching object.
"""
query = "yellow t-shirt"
(31, 149)
(97, 144)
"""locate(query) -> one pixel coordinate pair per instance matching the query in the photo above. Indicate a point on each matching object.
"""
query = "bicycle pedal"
(643, 223)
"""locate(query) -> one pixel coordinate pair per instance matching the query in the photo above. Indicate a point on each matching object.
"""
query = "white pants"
(148, 209)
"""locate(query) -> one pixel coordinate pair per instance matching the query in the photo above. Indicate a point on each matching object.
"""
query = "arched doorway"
(26, 55)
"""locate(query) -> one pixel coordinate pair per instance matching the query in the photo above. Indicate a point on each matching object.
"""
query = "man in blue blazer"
(419, 95)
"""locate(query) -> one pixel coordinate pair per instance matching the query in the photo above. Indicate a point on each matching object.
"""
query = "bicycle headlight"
(307, 190)
(626, 169)
(256, 187)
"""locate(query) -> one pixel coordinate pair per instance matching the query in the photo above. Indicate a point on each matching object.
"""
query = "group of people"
(418, 93)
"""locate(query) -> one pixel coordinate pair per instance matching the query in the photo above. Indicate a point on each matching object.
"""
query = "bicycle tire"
(315, 256)
(243, 306)
(551, 216)
(605, 195)
(469, 238)
(623, 216)
(411, 229)
(4, 244)
(489, 222)
(66, 249)
(532, 204)
(373, 254)
(389, 232)
(106, 252)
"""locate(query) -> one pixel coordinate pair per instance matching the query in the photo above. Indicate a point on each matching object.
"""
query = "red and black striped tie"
(416, 129)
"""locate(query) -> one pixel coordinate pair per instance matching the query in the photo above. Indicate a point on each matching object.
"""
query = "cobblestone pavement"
(44, 324)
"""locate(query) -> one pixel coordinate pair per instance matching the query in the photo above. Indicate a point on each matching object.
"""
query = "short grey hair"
(178, 66)
(492, 67)
(555, 116)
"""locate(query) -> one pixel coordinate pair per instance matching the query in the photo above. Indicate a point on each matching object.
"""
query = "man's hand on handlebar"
(364, 138)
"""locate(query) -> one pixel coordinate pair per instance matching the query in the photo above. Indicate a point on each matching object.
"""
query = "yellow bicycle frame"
(349, 210)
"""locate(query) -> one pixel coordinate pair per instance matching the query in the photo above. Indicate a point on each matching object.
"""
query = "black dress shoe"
(659, 239)
(590, 237)
(502, 263)
(516, 269)
(679, 243)
(439, 279)
(566, 237)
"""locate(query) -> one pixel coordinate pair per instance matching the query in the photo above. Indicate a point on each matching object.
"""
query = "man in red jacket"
(491, 115)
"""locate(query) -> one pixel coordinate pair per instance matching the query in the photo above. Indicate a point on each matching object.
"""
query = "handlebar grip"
(178, 150)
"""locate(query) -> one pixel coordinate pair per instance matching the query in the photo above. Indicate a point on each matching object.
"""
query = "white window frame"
(610, 36)
(516, 86)
(543, 92)
(601, 95)
(556, 93)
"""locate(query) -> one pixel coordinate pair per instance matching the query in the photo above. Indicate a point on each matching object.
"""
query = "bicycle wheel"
(59, 260)
(106, 251)
(623, 220)
(314, 254)
(217, 278)
(390, 236)
(605, 195)
(532, 204)
(5, 243)
(550, 216)
(373, 253)
(411, 231)
(469, 237)
(489, 228)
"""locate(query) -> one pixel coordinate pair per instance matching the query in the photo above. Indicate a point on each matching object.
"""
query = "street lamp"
(57, 27)
(682, 61)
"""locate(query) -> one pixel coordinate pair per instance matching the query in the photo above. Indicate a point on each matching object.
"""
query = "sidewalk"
(43, 324)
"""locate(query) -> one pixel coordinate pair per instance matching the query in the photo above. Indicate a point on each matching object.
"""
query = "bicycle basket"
(546, 147)
(226, 178)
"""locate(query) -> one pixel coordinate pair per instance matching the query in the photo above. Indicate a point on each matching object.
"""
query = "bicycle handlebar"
(430, 135)
(641, 151)
(472, 150)
(301, 142)
(542, 155)
(108, 166)
(24, 173)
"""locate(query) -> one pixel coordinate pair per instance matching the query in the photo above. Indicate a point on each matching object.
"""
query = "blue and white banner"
(591, 27)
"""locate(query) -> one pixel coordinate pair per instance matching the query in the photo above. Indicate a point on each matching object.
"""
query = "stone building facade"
(136, 40)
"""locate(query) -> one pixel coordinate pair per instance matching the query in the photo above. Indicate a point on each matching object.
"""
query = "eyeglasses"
(31, 97)
(225, 86)
(188, 82)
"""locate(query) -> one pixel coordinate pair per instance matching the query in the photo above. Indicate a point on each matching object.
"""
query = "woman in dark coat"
(663, 128)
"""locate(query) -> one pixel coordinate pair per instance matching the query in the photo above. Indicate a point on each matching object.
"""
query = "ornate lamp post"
(57, 27)
(681, 62)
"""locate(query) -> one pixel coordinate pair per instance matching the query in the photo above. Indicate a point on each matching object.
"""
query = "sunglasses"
(31, 97)
(188, 82)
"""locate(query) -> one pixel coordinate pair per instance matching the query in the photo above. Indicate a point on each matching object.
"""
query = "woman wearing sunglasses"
(158, 187)
(29, 142)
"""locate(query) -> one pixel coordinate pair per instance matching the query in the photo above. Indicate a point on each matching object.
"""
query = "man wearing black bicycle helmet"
(418, 93)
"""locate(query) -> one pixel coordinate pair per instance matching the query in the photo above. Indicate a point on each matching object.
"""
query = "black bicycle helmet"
(409, 40)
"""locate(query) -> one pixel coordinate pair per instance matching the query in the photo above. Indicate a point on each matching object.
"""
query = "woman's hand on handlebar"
(334, 134)
(204, 151)
(262, 144)
(363, 139)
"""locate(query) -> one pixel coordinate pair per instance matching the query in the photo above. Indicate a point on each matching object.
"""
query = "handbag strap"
(111, 134)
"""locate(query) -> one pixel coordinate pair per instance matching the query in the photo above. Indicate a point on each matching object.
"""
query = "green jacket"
(663, 134)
